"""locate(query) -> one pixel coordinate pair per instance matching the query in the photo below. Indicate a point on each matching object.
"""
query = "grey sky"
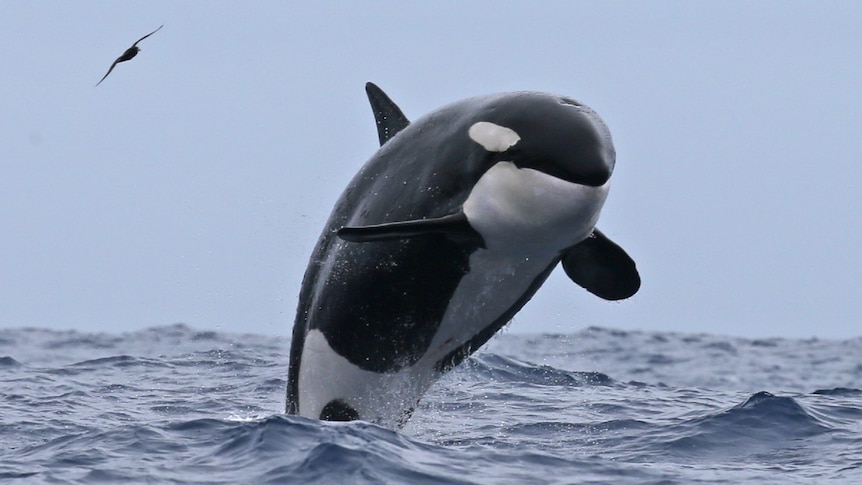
(192, 184)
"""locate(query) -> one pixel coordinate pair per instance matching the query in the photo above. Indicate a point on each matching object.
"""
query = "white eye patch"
(493, 137)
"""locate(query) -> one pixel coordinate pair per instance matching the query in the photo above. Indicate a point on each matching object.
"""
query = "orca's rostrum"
(444, 234)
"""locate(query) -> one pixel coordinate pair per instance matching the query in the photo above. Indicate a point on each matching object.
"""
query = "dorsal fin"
(390, 119)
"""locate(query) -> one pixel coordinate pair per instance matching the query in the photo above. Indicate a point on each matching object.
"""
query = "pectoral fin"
(602, 268)
(454, 226)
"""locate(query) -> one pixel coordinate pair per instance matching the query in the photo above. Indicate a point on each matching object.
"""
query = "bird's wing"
(151, 33)
(109, 71)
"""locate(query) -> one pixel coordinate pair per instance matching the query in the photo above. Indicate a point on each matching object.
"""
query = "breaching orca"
(442, 236)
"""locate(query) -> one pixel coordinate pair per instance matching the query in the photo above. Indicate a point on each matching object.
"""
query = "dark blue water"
(176, 405)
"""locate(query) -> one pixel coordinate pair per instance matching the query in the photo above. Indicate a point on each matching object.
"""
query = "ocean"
(177, 405)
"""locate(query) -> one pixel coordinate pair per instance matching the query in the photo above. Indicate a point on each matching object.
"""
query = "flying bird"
(129, 54)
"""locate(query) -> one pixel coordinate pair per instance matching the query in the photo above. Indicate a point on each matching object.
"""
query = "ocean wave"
(502, 369)
(118, 361)
(7, 361)
(762, 423)
(175, 405)
(838, 391)
(297, 450)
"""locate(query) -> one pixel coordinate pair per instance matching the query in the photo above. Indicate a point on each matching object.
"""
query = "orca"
(440, 239)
